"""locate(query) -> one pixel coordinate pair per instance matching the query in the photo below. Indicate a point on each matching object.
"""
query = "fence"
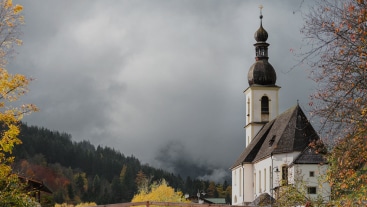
(153, 203)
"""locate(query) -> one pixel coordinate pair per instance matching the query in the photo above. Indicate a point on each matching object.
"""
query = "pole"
(271, 180)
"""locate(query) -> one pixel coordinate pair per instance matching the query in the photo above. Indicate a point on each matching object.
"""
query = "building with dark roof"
(277, 151)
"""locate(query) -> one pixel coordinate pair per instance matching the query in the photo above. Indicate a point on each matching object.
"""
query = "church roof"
(309, 156)
(263, 200)
(289, 132)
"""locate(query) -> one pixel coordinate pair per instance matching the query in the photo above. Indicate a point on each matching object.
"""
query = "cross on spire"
(261, 13)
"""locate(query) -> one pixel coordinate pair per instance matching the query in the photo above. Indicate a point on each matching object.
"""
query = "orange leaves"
(364, 112)
(17, 8)
(8, 4)
(351, 8)
(353, 37)
(344, 186)
(347, 172)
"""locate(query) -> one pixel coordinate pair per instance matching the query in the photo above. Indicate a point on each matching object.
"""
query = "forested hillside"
(79, 171)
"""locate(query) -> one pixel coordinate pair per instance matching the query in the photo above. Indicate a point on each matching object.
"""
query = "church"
(277, 151)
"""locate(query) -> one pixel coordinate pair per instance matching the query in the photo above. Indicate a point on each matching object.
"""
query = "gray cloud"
(155, 78)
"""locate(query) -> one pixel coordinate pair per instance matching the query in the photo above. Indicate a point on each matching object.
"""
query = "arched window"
(264, 179)
(284, 175)
(259, 181)
(264, 105)
(240, 185)
(254, 182)
(248, 111)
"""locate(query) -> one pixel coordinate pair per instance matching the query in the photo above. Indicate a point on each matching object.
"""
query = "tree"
(159, 192)
(142, 182)
(12, 87)
(336, 31)
(212, 190)
(71, 192)
(347, 172)
(81, 184)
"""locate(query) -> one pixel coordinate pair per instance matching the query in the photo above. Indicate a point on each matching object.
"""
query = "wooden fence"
(153, 203)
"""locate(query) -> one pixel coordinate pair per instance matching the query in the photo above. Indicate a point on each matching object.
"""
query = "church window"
(264, 105)
(311, 190)
(271, 141)
(261, 52)
(264, 179)
(285, 175)
(259, 181)
(248, 110)
(254, 182)
(240, 185)
(235, 177)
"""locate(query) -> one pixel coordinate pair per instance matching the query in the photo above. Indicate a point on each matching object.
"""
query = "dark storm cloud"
(155, 78)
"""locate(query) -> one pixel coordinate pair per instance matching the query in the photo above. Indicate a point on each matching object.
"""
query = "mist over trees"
(80, 172)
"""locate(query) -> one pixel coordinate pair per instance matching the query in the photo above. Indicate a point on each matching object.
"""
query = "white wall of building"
(253, 99)
(312, 176)
(242, 184)
(251, 180)
(253, 108)
(266, 177)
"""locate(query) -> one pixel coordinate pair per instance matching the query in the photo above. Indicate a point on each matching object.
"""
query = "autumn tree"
(12, 87)
(142, 181)
(160, 192)
(336, 35)
(212, 190)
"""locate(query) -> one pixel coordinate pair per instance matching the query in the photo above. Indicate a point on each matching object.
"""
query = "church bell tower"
(262, 93)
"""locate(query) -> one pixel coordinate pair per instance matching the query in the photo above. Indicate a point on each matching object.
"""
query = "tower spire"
(261, 13)
(261, 72)
(262, 93)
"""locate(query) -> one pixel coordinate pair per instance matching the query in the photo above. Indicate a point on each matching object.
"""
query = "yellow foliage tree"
(78, 205)
(160, 192)
(12, 87)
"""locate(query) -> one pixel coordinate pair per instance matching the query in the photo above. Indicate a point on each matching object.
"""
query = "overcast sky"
(160, 80)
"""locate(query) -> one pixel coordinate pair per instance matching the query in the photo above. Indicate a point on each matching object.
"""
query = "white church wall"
(242, 184)
(281, 161)
(262, 172)
(252, 131)
(267, 173)
(253, 108)
(252, 180)
(311, 179)
(254, 95)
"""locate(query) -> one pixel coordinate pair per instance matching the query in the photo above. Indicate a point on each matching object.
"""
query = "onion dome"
(261, 35)
(261, 72)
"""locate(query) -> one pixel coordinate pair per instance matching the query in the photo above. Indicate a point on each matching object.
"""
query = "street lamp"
(199, 195)
(276, 170)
